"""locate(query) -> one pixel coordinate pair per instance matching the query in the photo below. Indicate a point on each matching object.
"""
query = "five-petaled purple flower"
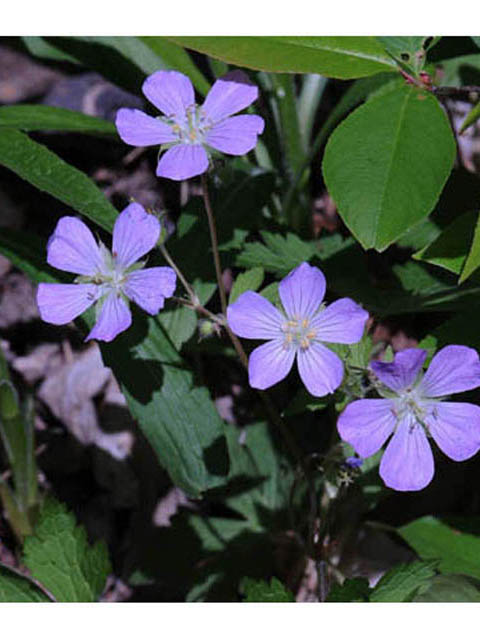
(412, 409)
(299, 332)
(191, 130)
(108, 278)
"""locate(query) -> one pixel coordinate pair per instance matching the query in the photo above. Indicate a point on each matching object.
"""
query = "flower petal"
(72, 247)
(149, 287)
(135, 233)
(229, 94)
(366, 425)
(253, 316)
(269, 364)
(114, 317)
(170, 91)
(402, 372)
(136, 128)
(455, 427)
(320, 369)
(343, 322)
(182, 162)
(302, 291)
(407, 464)
(452, 370)
(61, 303)
(236, 135)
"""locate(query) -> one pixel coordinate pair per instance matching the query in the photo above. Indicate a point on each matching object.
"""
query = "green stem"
(181, 277)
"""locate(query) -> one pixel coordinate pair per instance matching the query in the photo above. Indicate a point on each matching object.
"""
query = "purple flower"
(190, 130)
(109, 279)
(412, 409)
(299, 332)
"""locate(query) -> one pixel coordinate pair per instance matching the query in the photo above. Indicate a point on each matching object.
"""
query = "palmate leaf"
(375, 164)
(60, 558)
(332, 56)
(403, 582)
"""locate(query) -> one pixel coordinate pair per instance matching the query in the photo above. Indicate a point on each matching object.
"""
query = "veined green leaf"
(386, 164)
(333, 56)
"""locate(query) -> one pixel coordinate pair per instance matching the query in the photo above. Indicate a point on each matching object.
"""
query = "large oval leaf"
(387, 163)
(332, 56)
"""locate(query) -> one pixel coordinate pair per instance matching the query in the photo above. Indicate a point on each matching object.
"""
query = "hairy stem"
(188, 288)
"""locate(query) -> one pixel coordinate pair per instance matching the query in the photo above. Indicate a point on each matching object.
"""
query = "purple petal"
(149, 287)
(455, 427)
(342, 321)
(61, 303)
(407, 464)
(320, 369)
(229, 94)
(402, 372)
(237, 135)
(253, 316)
(182, 162)
(302, 291)
(366, 425)
(72, 247)
(114, 317)
(136, 128)
(269, 364)
(169, 91)
(135, 233)
(452, 370)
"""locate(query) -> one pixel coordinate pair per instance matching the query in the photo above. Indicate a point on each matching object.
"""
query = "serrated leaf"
(352, 590)
(60, 558)
(36, 164)
(450, 248)
(379, 181)
(248, 281)
(332, 56)
(449, 589)
(41, 117)
(279, 254)
(262, 591)
(401, 583)
(17, 588)
(432, 540)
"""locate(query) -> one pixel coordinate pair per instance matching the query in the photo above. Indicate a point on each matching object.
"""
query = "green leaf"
(126, 60)
(40, 117)
(476, 39)
(262, 591)
(471, 118)
(248, 281)
(279, 254)
(17, 588)
(473, 258)
(333, 56)
(451, 246)
(432, 540)
(352, 590)
(401, 583)
(375, 164)
(36, 164)
(39, 47)
(409, 50)
(449, 589)
(60, 558)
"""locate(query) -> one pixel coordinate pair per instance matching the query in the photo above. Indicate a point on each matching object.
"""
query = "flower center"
(298, 333)
(191, 128)
(410, 404)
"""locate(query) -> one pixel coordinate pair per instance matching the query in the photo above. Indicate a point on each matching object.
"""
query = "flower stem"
(213, 236)
(168, 258)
